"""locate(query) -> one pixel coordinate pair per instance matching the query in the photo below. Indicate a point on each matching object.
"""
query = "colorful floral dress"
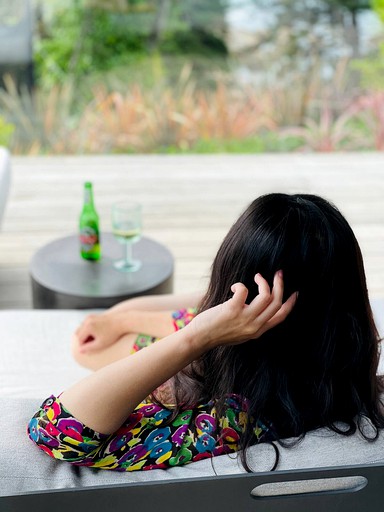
(147, 439)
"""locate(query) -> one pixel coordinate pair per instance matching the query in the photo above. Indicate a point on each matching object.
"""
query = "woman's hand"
(100, 331)
(235, 322)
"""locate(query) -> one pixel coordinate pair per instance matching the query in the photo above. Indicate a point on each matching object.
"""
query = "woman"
(283, 343)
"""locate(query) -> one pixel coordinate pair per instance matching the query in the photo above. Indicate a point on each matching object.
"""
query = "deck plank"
(189, 203)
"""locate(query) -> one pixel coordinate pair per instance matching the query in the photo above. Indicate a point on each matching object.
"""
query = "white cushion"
(35, 361)
(35, 358)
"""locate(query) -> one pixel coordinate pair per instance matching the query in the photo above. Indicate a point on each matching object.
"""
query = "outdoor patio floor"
(189, 202)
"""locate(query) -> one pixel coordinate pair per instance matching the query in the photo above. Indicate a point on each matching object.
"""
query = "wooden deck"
(189, 203)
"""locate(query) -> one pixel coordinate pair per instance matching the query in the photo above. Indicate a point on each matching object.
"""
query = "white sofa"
(5, 179)
(35, 361)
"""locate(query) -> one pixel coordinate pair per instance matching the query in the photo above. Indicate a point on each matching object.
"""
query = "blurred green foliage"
(6, 132)
(372, 68)
(265, 142)
(371, 71)
(82, 39)
(195, 41)
(156, 76)
(378, 7)
(350, 5)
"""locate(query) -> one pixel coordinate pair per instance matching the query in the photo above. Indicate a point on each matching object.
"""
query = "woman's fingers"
(236, 322)
(278, 287)
(85, 334)
(267, 309)
(267, 302)
(264, 289)
(89, 345)
(240, 294)
(281, 314)
(285, 309)
(83, 330)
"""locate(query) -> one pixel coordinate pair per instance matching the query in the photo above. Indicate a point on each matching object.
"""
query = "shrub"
(6, 132)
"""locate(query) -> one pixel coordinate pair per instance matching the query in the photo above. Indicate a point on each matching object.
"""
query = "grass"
(265, 143)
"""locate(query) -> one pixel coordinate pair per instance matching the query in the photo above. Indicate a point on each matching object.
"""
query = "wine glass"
(126, 227)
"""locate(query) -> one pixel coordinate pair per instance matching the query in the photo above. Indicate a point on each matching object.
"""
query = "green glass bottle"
(89, 227)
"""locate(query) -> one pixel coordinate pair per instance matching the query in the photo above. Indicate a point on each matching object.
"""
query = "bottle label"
(89, 237)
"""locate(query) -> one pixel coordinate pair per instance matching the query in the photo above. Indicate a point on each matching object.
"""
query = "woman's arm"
(151, 315)
(104, 339)
(166, 302)
(100, 331)
(104, 399)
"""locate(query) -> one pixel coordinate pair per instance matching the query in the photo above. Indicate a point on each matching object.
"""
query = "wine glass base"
(127, 266)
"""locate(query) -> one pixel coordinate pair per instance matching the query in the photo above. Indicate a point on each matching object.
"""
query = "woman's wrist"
(121, 322)
(199, 340)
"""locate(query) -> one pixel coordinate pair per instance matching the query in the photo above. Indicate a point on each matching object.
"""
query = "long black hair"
(316, 369)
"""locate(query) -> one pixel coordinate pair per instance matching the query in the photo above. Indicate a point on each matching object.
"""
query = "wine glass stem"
(128, 254)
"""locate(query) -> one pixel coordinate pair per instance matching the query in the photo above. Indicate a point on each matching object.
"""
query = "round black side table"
(62, 279)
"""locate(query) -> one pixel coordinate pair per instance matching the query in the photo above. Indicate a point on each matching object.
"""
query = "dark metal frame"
(230, 493)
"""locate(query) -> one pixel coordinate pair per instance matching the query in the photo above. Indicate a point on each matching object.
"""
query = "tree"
(96, 35)
(340, 14)
(351, 9)
(160, 22)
